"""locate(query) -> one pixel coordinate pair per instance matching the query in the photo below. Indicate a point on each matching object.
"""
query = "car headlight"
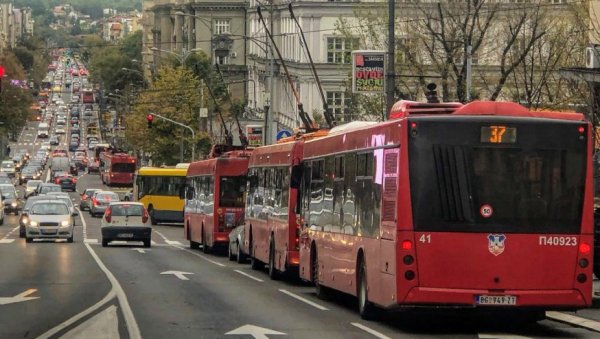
(64, 223)
(25, 220)
(14, 204)
(33, 223)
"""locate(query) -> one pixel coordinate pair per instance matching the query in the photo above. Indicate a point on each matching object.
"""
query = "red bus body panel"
(87, 97)
(259, 232)
(201, 224)
(109, 176)
(450, 268)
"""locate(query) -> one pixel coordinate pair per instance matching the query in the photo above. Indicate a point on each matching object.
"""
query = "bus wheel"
(323, 293)
(151, 213)
(255, 263)
(194, 245)
(273, 273)
(366, 309)
(205, 247)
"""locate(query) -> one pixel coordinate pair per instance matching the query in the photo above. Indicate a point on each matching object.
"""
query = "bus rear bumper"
(468, 298)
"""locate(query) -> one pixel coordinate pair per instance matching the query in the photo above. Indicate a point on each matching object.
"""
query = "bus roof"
(158, 171)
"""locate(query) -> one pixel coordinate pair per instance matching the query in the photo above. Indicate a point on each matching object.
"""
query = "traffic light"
(1, 76)
(149, 118)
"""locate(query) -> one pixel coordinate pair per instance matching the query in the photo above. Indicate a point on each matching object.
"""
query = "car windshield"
(8, 194)
(47, 189)
(33, 184)
(50, 208)
(127, 210)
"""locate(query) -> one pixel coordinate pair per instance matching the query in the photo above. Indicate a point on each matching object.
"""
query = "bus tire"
(323, 293)
(273, 273)
(255, 264)
(367, 310)
(205, 247)
(151, 213)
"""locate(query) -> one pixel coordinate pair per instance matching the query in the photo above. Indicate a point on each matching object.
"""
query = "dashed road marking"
(173, 242)
(248, 275)
(304, 300)
(90, 241)
(6, 241)
(574, 320)
(370, 331)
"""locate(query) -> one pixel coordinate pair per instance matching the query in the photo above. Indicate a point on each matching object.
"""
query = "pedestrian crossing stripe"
(6, 241)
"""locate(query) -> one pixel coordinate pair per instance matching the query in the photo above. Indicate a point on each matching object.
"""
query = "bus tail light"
(407, 245)
(584, 248)
(108, 215)
(145, 216)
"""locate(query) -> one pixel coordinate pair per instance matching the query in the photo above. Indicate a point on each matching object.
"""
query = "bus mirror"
(296, 176)
(189, 193)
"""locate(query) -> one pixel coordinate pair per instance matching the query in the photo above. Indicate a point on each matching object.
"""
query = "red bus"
(214, 203)
(486, 205)
(272, 229)
(87, 96)
(117, 168)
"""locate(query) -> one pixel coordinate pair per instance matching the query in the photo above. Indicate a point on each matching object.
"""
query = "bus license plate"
(496, 300)
(125, 235)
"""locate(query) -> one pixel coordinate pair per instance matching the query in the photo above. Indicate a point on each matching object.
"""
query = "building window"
(338, 104)
(222, 26)
(222, 60)
(339, 50)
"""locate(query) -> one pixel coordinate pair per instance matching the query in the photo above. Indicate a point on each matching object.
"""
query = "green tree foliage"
(15, 101)
(174, 94)
(25, 57)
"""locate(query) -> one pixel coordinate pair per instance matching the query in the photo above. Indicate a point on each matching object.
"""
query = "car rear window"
(107, 197)
(127, 210)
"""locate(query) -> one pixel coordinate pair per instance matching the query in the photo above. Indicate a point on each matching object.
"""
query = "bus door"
(388, 176)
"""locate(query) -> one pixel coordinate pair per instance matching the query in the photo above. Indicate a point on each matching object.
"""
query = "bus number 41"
(425, 238)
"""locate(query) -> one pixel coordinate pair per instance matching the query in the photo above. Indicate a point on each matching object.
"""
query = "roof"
(167, 171)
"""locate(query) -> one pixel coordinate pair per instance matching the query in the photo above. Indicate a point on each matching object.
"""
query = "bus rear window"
(123, 167)
(535, 185)
(231, 191)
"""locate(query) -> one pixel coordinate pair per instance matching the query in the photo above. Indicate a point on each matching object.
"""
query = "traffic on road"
(458, 224)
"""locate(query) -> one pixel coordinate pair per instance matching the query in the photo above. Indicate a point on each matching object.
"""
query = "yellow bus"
(159, 188)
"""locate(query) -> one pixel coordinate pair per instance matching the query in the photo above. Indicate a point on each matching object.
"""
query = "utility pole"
(469, 64)
(391, 64)
(268, 121)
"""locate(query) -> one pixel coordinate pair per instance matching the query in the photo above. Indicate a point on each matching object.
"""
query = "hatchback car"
(12, 204)
(67, 182)
(49, 219)
(86, 198)
(46, 188)
(126, 221)
(30, 187)
(54, 140)
(101, 200)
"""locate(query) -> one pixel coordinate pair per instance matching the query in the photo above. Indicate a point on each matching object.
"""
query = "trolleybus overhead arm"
(310, 126)
(243, 138)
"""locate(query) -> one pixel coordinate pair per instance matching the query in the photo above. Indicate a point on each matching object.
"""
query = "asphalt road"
(56, 289)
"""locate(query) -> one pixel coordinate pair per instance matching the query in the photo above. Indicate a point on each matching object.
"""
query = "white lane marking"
(153, 242)
(21, 297)
(501, 336)
(199, 255)
(2, 241)
(574, 320)
(103, 325)
(370, 331)
(179, 274)
(90, 241)
(174, 242)
(6, 241)
(248, 275)
(254, 331)
(304, 300)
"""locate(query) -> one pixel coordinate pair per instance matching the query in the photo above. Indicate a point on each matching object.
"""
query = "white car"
(49, 219)
(126, 221)
(60, 130)
(8, 167)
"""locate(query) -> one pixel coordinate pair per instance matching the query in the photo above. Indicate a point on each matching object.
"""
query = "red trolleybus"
(215, 199)
(272, 231)
(486, 205)
(117, 168)
(87, 96)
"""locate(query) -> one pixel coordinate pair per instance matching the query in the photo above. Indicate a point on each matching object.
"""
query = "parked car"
(126, 221)
(101, 200)
(236, 240)
(49, 219)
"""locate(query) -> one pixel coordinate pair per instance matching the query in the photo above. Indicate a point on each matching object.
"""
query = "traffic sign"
(284, 133)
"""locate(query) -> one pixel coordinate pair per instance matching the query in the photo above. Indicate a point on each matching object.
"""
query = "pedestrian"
(7, 149)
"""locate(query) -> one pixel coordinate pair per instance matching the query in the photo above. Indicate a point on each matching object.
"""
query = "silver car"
(49, 219)
(236, 241)
(101, 200)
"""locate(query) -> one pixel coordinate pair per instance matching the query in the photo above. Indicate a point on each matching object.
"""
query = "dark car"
(73, 146)
(94, 167)
(11, 201)
(67, 182)
(73, 169)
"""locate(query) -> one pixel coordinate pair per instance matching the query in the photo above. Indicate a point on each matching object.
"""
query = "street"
(169, 291)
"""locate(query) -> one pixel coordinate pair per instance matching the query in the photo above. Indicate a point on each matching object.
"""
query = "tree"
(434, 40)
(174, 94)
(15, 101)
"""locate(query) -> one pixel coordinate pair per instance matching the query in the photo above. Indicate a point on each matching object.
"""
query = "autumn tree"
(173, 94)
(16, 100)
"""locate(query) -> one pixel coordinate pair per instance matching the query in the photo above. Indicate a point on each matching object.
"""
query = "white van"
(43, 130)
